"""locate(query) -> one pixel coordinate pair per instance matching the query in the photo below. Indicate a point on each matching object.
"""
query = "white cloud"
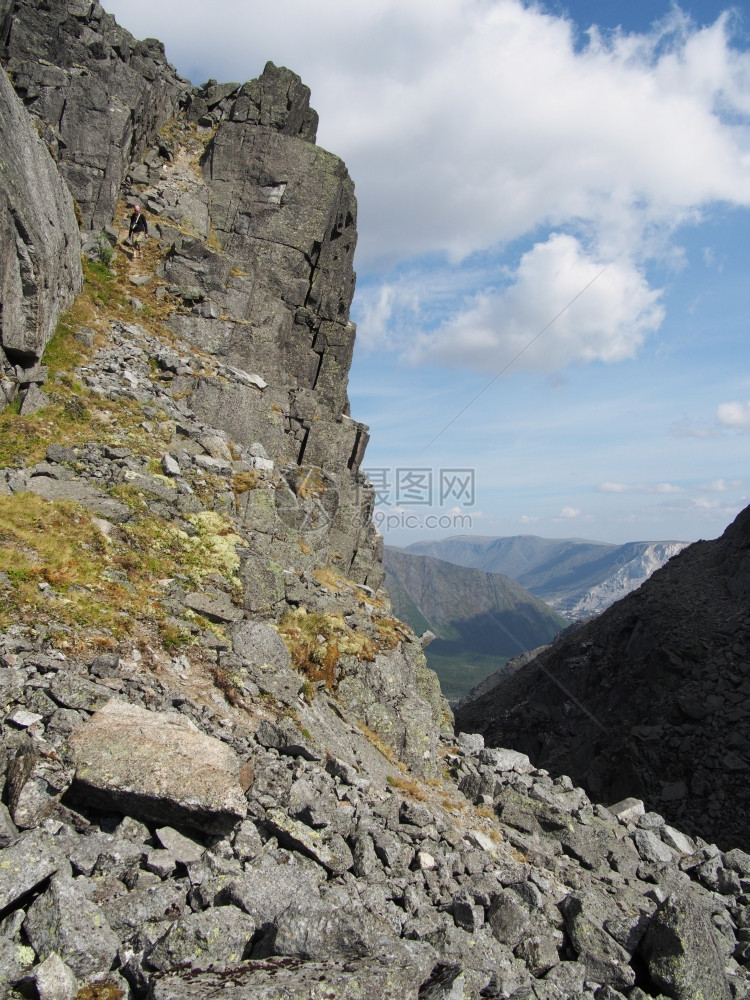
(735, 414)
(470, 124)
(610, 487)
(722, 486)
(570, 514)
(562, 306)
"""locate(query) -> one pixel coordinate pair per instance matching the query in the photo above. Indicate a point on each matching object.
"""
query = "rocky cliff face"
(40, 249)
(653, 697)
(96, 94)
(245, 292)
(224, 765)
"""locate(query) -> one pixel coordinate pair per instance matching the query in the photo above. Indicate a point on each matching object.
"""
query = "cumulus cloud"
(468, 122)
(735, 415)
(570, 514)
(562, 306)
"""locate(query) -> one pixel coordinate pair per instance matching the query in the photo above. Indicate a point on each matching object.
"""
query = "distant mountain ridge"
(480, 619)
(576, 577)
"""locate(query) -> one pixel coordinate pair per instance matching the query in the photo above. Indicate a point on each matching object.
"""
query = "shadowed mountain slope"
(480, 619)
(652, 698)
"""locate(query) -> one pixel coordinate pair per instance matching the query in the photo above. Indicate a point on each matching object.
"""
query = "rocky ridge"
(575, 577)
(224, 764)
(96, 94)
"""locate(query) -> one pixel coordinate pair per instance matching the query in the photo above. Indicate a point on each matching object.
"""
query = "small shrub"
(244, 481)
(230, 685)
(103, 989)
(173, 637)
(105, 249)
(408, 787)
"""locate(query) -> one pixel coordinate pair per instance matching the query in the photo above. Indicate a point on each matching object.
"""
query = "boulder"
(26, 864)
(264, 893)
(606, 961)
(214, 939)
(313, 929)
(36, 783)
(55, 980)
(157, 767)
(295, 980)
(681, 952)
(64, 922)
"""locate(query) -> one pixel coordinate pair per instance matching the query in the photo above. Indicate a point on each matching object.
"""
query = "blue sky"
(553, 296)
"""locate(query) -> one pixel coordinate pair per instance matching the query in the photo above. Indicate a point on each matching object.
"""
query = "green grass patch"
(63, 571)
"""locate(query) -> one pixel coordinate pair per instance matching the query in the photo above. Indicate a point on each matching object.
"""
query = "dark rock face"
(653, 697)
(40, 264)
(97, 93)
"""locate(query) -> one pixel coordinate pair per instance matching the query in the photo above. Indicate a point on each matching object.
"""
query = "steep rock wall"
(40, 263)
(262, 238)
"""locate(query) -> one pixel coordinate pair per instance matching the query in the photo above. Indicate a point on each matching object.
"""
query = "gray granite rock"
(681, 953)
(329, 849)
(26, 864)
(606, 961)
(40, 265)
(157, 767)
(296, 980)
(215, 939)
(311, 929)
(651, 848)
(65, 922)
(97, 92)
(184, 849)
(36, 783)
(265, 892)
(161, 903)
(55, 980)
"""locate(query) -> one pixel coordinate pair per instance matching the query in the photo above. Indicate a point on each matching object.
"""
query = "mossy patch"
(316, 643)
(103, 989)
(60, 567)
(63, 571)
